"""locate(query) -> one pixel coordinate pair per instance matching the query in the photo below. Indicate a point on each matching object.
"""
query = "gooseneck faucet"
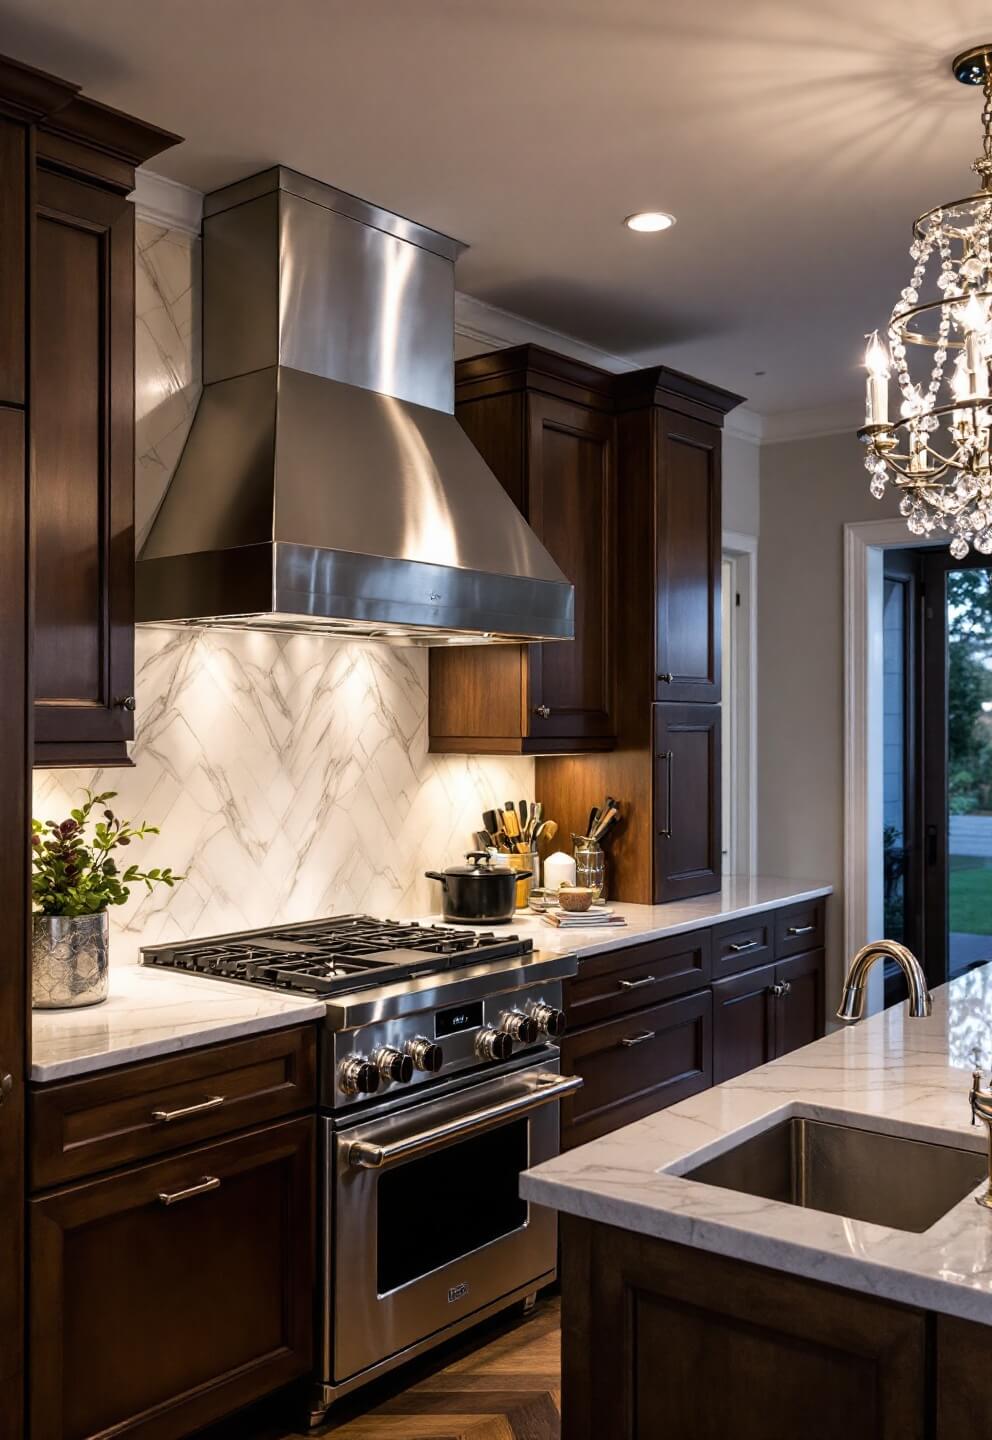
(981, 1109)
(853, 1000)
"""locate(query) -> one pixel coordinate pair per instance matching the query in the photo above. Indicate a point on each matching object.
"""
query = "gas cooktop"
(342, 953)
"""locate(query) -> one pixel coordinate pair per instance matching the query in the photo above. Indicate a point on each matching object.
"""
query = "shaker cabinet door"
(689, 547)
(571, 492)
(83, 472)
(687, 852)
(167, 1295)
(744, 1011)
(799, 986)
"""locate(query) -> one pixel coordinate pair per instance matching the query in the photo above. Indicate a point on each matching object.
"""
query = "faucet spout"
(853, 999)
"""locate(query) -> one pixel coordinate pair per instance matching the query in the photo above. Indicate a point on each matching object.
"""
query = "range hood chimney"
(326, 484)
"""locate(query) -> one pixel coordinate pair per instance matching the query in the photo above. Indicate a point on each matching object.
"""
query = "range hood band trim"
(329, 585)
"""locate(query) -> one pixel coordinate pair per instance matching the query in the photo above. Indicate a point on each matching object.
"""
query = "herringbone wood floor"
(502, 1383)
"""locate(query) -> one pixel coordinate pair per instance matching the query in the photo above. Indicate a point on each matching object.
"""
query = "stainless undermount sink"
(860, 1174)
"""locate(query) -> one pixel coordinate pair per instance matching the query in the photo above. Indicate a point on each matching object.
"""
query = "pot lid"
(483, 866)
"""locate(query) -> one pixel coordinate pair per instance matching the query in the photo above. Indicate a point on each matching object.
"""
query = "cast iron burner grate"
(325, 957)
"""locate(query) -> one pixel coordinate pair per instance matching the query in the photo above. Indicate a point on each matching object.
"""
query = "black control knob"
(520, 1027)
(549, 1020)
(425, 1055)
(493, 1044)
(358, 1076)
(393, 1065)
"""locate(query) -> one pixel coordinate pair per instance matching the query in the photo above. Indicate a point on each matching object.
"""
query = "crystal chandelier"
(936, 451)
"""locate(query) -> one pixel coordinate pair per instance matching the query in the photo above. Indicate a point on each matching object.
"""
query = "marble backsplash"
(289, 774)
(291, 779)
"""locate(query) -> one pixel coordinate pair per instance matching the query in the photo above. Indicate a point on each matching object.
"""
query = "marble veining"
(906, 1077)
(740, 896)
(291, 779)
(290, 775)
(150, 1013)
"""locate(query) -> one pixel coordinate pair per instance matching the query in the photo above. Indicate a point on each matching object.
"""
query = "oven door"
(427, 1217)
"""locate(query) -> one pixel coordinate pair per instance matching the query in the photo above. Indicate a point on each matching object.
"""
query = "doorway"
(936, 812)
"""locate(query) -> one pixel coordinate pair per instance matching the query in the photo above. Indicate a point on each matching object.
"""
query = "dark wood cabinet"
(635, 1065)
(689, 540)
(743, 1022)
(85, 1126)
(545, 427)
(13, 260)
(83, 455)
(649, 1024)
(82, 432)
(665, 768)
(800, 1017)
(687, 849)
(169, 1294)
(634, 976)
(662, 1340)
(766, 1012)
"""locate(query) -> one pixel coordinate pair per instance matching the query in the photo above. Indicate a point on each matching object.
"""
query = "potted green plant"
(75, 880)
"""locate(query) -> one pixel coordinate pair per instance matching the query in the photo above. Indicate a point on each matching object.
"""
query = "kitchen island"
(793, 1320)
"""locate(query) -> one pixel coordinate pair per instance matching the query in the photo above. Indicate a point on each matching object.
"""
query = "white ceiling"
(794, 142)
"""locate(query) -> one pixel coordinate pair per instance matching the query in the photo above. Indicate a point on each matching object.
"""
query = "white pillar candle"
(559, 870)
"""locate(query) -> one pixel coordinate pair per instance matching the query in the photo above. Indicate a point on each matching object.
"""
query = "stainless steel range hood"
(325, 483)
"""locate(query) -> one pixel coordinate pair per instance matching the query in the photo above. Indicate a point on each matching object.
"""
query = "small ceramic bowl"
(575, 897)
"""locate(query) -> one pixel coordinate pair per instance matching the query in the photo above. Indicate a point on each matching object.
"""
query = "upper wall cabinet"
(81, 424)
(545, 426)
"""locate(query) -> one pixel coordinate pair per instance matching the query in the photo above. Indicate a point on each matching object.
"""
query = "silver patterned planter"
(70, 961)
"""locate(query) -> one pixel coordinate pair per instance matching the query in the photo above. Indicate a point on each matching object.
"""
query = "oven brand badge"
(457, 1292)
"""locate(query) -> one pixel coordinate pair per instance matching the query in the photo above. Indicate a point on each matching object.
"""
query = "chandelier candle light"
(936, 451)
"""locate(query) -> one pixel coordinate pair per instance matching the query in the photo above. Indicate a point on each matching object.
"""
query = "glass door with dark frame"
(957, 763)
(901, 805)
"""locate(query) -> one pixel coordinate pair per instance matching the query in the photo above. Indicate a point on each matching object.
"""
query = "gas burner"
(342, 953)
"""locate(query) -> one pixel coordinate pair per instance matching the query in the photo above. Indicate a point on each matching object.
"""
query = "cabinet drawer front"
(635, 976)
(85, 1126)
(742, 944)
(169, 1294)
(631, 1067)
(799, 927)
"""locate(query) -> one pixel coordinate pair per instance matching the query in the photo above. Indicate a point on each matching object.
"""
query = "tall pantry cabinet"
(666, 765)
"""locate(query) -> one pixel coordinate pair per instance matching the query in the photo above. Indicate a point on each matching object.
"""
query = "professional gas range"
(439, 1083)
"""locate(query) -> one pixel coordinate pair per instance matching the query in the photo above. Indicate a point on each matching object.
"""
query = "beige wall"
(809, 490)
(741, 485)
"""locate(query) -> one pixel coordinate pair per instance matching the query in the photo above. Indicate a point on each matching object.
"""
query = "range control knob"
(549, 1020)
(425, 1055)
(393, 1065)
(520, 1027)
(493, 1044)
(358, 1076)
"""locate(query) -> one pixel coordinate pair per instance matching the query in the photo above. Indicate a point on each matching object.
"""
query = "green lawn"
(970, 894)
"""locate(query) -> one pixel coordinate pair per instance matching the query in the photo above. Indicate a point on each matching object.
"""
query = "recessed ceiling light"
(650, 221)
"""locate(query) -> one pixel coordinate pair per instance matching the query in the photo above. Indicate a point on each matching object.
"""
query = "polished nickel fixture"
(935, 451)
(981, 1109)
(853, 1000)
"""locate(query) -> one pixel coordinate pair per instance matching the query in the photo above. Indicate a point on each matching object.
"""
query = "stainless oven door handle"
(365, 1156)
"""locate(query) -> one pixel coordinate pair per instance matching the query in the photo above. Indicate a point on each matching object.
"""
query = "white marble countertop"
(741, 895)
(890, 1073)
(152, 1012)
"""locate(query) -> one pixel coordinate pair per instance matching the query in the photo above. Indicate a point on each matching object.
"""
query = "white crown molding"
(489, 325)
(745, 424)
(810, 424)
(165, 202)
